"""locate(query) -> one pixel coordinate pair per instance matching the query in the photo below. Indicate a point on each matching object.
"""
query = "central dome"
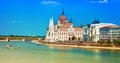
(62, 18)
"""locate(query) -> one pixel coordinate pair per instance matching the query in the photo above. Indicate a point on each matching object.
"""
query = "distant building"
(104, 33)
(110, 32)
(96, 30)
(63, 30)
(86, 32)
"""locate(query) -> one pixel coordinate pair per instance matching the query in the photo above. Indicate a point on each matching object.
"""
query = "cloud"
(103, 1)
(99, 1)
(50, 3)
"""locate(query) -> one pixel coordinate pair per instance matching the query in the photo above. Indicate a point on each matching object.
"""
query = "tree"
(117, 42)
(11, 35)
(108, 41)
(101, 42)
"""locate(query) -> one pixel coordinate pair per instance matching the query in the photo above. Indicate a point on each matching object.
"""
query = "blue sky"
(31, 17)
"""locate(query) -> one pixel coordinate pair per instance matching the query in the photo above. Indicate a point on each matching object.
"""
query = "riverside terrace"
(18, 38)
(81, 43)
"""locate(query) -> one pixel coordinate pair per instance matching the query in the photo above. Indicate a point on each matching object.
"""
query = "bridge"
(18, 39)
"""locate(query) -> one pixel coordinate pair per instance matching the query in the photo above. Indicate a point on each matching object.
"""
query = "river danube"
(27, 52)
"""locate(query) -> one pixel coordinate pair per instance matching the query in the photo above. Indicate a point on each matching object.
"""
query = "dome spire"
(62, 18)
(62, 11)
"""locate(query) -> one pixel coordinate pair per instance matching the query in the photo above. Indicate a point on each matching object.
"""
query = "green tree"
(11, 35)
(117, 42)
(101, 42)
(108, 42)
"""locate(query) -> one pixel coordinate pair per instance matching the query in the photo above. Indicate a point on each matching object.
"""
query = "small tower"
(50, 32)
(51, 25)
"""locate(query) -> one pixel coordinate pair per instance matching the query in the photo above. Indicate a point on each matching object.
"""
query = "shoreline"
(80, 46)
(76, 46)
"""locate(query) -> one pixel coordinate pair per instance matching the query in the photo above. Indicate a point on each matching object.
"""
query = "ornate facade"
(63, 30)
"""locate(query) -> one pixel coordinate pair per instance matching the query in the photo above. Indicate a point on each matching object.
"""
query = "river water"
(27, 52)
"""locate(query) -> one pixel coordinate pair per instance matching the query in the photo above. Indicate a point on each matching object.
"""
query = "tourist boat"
(9, 46)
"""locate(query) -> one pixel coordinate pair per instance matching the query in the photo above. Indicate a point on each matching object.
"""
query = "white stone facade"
(63, 30)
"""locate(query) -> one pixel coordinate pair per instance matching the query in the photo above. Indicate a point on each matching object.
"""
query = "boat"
(9, 46)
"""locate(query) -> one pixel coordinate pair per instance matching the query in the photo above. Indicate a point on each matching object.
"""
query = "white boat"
(9, 46)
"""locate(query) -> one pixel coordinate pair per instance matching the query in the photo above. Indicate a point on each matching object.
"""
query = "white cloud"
(99, 1)
(50, 3)
(103, 1)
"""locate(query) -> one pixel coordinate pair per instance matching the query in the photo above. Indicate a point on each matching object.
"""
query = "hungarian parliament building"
(64, 30)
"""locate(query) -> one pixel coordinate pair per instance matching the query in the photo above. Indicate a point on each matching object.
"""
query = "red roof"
(77, 29)
(62, 19)
(107, 27)
(63, 29)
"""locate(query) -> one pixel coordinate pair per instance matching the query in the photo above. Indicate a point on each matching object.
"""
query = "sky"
(31, 17)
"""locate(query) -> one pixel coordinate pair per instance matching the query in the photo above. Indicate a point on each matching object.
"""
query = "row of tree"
(21, 36)
(115, 42)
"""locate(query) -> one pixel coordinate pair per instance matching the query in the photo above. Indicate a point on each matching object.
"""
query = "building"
(86, 32)
(63, 30)
(96, 31)
(110, 32)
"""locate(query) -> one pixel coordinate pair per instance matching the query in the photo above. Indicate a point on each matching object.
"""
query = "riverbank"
(92, 47)
(76, 46)
(80, 46)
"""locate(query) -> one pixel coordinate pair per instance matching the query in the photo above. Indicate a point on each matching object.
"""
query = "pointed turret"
(51, 24)
(63, 12)
(50, 32)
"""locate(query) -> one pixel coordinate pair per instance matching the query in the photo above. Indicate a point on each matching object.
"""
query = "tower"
(62, 18)
(51, 25)
(50, 32)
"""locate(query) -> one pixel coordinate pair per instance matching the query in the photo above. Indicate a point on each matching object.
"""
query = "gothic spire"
(51, 24)
(62, 11)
